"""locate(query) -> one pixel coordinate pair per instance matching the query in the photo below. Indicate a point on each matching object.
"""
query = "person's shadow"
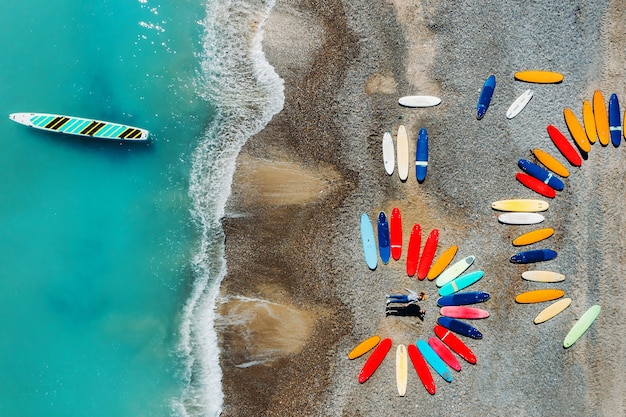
(406, 310)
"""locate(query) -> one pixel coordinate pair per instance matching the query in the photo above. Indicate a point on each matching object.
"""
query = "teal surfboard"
(369, 244)
(461, 282)
(434, 360)
(581, 326)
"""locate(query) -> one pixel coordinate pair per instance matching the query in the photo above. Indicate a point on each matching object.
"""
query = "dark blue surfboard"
(384, 244)
(460, 327)
(421, 155)
(530, 256)
(463, 298)
(541, 174)
(485, 96)
(615, 122)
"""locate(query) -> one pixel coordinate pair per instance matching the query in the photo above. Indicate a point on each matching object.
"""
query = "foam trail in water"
(246, 93)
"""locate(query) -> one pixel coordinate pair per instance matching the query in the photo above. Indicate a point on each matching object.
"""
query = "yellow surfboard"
(601, 117)
(539, 77)
(551, 163)
(520, 205)
(539, 296)
(589, 121)
(442, 262)
(402, 370)
(552, 310)
(576, 130)
(543, 276)
(533, 237)
(364, 347)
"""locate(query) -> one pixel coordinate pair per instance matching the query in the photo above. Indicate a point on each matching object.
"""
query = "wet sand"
(298, 295)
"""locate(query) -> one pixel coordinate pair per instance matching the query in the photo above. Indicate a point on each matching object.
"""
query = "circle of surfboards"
(455, 302)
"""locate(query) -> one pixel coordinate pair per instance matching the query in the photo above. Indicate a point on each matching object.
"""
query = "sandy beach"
(298, 295)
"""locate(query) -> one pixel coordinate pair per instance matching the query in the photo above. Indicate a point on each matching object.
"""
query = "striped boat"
(79, 126)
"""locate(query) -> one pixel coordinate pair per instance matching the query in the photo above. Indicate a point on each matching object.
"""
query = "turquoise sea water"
(111, 253)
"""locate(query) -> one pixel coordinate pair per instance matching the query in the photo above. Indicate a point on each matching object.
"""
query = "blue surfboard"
(384, 244)
(460, 327)
(541, 174)
(485, 96)
(463, 298)
(434, 360)
(369, 245)
(461, 282)
(536, 255)
(615, 122)
(421, 155)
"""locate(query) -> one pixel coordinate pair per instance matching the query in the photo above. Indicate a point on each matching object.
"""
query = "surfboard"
(601, 118)
(524, 205)
(536, 185)
(444, 353)
(551, 163)
(369, 245)
(374, 360)
(581, 326)
(518, 105)
(615, 120)
(421, 155)
(403, 153)
(389, 159)
(543, 276)
(552, 310)
(384, 242)
(589, 121)
(541, 174)
(402, 369)
(576, 130)
(455, 270)
(364, 347)
(428, 254)
(485, 96)
(533, 237)
(78, 126)
(520, 218)
(463, 298)
(421, 369)
(419, 101)
(442, 262)
(395, 226)
(530, 256)
(564, 146)
(412, 254)
(462, 312)
(460, 327)
(539, 76)
(434, 360)
(461, 283)
(455, 344)
(539, 296)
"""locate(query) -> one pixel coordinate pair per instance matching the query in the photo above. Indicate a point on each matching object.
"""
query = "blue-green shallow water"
(96, 237)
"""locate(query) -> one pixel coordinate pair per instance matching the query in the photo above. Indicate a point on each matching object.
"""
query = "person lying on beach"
(410, 298)
(407, 310)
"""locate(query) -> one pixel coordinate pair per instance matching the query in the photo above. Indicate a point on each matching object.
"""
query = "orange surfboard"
(442, 262)
(589, 121)
(533, 237)
(539, 296)
(601, 117)
(551, 163)
(576, 130)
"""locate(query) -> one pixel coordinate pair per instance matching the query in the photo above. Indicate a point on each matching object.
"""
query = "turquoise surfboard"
(369, 244)
(461, 282)
(434, 360)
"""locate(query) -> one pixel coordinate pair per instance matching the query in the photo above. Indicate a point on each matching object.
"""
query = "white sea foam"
(246, 92)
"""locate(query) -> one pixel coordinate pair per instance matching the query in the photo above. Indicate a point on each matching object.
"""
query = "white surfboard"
(543, 276)
(419, 101)
(519, 104)
(454, 271)
(389, 157)
(403, 153)
(520, 218)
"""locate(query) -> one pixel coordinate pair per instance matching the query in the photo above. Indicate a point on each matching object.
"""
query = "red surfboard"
(422, 369)
(461, 312)
(536, 185)
(455, 344)
(395, 233)
(375, 359)
(413, 253)
(566, 148)
(426, 260)
(444, 353)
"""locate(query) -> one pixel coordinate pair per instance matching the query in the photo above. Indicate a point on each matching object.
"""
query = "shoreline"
(293, 248)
